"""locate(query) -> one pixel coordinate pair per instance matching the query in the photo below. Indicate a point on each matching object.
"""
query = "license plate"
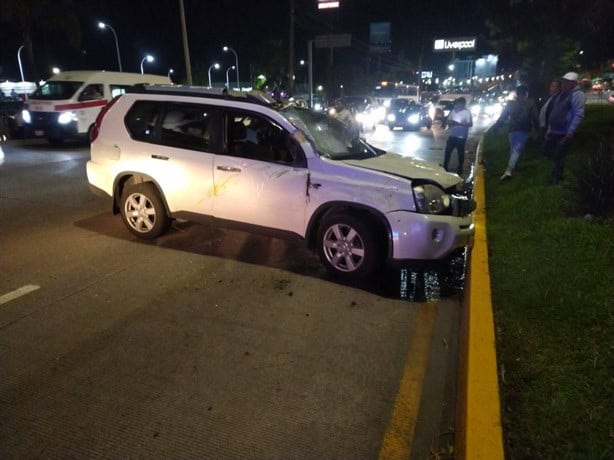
(39, 132)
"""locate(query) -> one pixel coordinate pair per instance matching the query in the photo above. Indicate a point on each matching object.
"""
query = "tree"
(543, 38)
(36, 18)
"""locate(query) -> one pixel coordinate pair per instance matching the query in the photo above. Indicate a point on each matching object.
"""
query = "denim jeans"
(518, 139)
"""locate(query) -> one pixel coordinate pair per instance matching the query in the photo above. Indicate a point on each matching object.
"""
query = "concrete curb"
(479, 434)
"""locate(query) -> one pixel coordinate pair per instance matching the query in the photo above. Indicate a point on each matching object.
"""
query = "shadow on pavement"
(418, 283)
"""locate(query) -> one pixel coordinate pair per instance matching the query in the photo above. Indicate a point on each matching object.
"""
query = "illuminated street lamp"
(55, 70)
(170, 72)
(215, 66)
(227, 81)
(102, 25)
(148, 58)
(227, 48)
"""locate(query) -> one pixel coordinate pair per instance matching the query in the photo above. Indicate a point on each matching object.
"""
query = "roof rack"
(256, 97)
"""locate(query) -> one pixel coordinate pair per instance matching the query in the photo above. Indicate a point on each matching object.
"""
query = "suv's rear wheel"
(143, 211)
(347, 246)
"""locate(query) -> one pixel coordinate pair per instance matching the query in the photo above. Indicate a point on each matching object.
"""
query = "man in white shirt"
(459, 121)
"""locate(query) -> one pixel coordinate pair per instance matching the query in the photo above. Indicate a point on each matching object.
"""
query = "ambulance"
(67, 105)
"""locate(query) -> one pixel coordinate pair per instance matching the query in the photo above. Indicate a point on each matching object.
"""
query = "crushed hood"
(410, 168)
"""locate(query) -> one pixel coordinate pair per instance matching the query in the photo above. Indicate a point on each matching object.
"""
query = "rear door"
(179, 144)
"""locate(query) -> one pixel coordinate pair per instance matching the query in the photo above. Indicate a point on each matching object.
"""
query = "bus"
(386, 90)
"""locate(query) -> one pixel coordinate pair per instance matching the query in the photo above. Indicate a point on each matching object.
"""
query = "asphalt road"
(208, 343)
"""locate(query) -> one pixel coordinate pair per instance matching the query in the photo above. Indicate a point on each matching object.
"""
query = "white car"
(165, 152)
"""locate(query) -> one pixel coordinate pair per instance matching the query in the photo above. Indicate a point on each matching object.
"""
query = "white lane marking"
(23, 290)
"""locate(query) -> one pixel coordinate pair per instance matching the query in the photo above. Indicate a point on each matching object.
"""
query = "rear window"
(117, 90)
(53, 90)
(141, 120)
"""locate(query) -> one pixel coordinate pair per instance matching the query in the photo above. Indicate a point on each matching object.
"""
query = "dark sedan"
(407, 114)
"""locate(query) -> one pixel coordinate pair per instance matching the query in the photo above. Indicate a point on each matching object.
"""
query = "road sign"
(333, 41)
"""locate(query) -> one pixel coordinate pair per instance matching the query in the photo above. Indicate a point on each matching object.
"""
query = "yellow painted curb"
(478, 412)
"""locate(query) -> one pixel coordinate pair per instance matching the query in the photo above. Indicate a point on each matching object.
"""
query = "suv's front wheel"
(143, 211)
(347, 246)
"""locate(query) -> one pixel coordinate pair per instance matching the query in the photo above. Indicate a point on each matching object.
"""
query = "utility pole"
(186, 49)
(291, 51)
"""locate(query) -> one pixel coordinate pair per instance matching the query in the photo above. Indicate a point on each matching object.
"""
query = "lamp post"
(227, 81)
(148, 58)
(102, 25)
(226, 48)
(215, 66)
(19, 60)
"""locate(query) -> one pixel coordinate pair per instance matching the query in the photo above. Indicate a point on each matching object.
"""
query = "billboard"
(455, 44)
(379, 37)
(326, 4)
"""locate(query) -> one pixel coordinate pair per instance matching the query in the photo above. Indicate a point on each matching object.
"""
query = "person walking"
(544, 113)
(565, 117)
(522, 115)
(459, 121)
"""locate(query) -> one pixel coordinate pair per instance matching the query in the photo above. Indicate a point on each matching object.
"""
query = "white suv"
(166, 152)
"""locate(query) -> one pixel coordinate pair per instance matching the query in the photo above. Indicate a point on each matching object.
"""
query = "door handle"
(159, 157)
(229, 169)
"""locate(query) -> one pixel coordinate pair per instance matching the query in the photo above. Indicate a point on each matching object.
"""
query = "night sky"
(154, 27)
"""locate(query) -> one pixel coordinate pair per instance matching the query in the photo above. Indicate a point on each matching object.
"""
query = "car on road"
(168, 152)
(407, 114)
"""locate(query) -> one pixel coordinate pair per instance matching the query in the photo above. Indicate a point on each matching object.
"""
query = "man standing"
(565, 116)
(459, 121)
(523, 117)
(342, 114)
(544, 113)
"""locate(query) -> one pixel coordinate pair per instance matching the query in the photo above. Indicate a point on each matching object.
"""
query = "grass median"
(552, 280)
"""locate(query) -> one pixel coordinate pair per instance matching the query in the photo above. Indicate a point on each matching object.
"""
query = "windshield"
(331, 138)
(53, 90)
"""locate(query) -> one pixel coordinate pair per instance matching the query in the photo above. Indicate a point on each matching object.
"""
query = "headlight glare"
(414, 118)
(430, 199)
(66, 117)
(27, 118)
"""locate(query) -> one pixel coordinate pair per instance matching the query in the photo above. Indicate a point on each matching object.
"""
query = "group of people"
(557, 122)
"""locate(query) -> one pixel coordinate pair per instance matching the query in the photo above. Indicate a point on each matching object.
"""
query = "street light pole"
(226, 48)
(228, 81)
(19, 60)
(214, 65)
(102, 25)
(148, 58)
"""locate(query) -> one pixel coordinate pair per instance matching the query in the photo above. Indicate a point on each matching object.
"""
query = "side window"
(117, 90)
(191, 126)
(255, 137)
(141, 120)
(92, 92)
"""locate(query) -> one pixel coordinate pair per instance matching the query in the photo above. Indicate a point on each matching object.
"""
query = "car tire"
(347, 247)
(143, 211)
